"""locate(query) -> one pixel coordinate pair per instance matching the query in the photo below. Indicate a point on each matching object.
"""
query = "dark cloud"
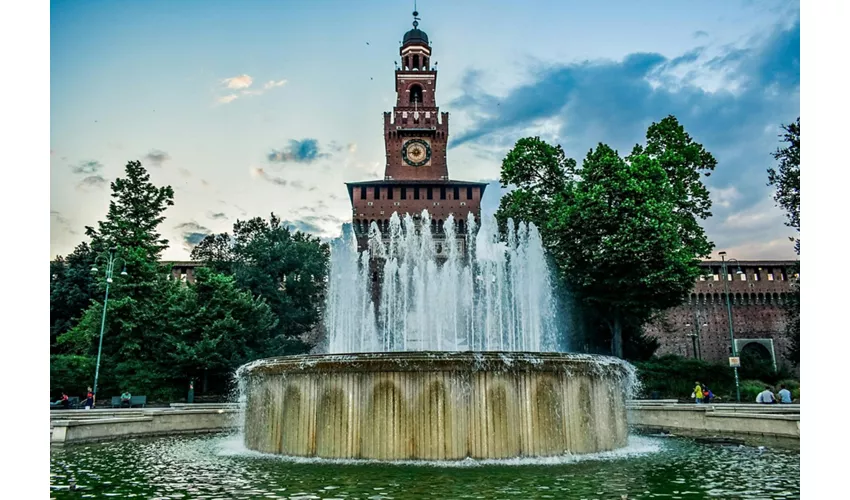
(92, 182)
(581, 104)
(87, 167)
(303, 151)
(303, 226)
(318, 225)
(700, 34)
(217, 215)
(192, 233)
(156, 157)
(262, 174)
(62, 221)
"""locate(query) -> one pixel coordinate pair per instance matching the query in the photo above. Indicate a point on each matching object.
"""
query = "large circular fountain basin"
(436, 405)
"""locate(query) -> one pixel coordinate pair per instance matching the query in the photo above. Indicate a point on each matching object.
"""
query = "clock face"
(416, 152)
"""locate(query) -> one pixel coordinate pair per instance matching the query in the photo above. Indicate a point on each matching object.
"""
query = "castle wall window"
(403, 193)
(443, 193)
(377, 193)
(744, 276)
(362, 193)
(770, 276)
(430, 193)
(469, 193)
(415, 94)
(390, 193)
(457, 193)
(416, 193)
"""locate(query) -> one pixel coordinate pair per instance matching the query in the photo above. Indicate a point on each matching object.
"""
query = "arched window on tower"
(407, 62)
(416, 94)
(416, 61)
(425, 63)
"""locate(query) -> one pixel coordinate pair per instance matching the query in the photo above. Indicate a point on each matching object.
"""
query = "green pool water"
(218, 467)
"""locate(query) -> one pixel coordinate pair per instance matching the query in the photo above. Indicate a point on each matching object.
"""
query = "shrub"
(673, 376)
(750, 389)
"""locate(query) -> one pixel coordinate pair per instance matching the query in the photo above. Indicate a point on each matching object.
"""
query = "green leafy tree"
(72, 289)
(288, 269)
(618, 239)
(132, 347)
(625, 234)
(786, 178)
(214, 327)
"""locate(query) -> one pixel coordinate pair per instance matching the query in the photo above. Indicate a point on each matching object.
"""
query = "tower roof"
(416, 35)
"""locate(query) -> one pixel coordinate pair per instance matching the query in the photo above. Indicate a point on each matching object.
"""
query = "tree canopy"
(623, 232)
(786, 177)
(262, 290)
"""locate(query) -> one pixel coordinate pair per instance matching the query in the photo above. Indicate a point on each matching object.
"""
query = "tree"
(132, 345)
(618, 239)
(214, 327)
(786, 179)
(625, 234)
(540, 172)
(288, 269)
(72, 289)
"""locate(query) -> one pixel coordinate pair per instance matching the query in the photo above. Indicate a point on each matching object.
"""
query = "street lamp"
(109, 259)
(729, 312)
(695, 336)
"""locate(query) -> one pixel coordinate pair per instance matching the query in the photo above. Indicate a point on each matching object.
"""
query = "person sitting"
(125, 398)
(784, 394)
(766, 397)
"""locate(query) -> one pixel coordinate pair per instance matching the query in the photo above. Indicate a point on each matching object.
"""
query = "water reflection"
(215, 467)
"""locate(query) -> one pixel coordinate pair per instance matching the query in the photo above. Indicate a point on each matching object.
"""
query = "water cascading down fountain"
(438, 348)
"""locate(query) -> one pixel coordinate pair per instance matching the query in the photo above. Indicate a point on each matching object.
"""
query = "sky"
(252, 107)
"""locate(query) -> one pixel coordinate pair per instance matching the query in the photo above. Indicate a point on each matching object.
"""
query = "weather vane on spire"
(415, 16)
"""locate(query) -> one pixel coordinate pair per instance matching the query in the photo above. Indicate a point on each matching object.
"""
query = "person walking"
(89, 404)
(766, 397)
(697, 394)
(784, 395)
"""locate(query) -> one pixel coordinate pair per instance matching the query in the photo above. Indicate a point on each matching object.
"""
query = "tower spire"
(415, 15)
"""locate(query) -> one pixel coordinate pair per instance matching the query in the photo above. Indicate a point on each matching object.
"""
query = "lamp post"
(729, 313)
(109, 260)
(695, 336)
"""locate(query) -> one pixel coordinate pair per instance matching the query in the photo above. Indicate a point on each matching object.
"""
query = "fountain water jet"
(438, 348)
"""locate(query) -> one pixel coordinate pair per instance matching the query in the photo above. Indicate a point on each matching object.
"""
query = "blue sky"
(253, 107)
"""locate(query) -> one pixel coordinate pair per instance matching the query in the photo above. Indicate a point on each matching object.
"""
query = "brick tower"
(416, 133)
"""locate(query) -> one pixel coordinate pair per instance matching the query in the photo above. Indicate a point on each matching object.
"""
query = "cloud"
(156, 157)
(87, 167)
(238, 82)
(352, 147)
(185, 172)
(700, 34)
(732, 99)
(303, 151)
(217, 215)
(318, 225)
(272, 84)
(62, 221)
(227, 98)
(192, 233)
(92, 182)
(262, 174)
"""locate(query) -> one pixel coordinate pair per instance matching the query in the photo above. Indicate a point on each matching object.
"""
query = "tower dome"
(415, 35)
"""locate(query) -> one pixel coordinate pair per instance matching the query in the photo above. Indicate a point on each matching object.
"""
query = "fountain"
(459, 358)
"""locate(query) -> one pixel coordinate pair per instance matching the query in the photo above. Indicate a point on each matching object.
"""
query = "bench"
(134, 401)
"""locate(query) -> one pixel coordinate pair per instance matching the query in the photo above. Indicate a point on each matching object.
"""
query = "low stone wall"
(87, 426)
(779, 423)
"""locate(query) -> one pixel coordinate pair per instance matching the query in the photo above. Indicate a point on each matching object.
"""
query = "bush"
(71, 374)
(673, 376)
(750, 389)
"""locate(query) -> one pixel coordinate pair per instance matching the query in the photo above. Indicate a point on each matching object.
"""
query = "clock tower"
(416, 174)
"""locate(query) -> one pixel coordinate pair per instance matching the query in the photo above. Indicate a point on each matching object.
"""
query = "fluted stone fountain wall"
(436, 405)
